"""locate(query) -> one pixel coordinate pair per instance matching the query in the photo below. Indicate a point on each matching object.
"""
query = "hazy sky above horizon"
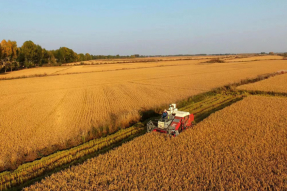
(148, 27)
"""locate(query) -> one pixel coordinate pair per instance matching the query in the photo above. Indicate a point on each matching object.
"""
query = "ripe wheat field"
(103, 65)
(274, 84)
(242, 147)
(127, 64)
(254, 58)
(43, 114)
(145, 59)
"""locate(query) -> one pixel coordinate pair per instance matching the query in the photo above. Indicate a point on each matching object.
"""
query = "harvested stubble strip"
(36, 168)
(213, 101)
(214, 104)
(232, 149)
(203, 102)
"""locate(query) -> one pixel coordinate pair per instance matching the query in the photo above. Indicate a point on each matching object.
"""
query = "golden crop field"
(144, 59)
(33, 71)
(67, 69)
(105, 65)
(44, 114)
(242, 147)
(124, 64)
(256, 58)
(274, 84)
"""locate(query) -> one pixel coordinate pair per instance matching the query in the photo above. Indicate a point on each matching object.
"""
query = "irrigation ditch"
(201, 105)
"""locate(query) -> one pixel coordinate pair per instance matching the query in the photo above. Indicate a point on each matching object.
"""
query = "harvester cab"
(174, 123)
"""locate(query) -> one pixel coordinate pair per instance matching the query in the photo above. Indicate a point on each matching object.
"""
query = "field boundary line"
(264, 93)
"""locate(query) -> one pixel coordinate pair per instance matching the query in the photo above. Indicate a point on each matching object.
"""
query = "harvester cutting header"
(172, 121)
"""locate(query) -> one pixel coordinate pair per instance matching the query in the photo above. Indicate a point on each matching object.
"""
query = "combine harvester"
(173, 123)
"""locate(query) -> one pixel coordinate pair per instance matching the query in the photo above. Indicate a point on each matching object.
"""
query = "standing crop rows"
(232, 149)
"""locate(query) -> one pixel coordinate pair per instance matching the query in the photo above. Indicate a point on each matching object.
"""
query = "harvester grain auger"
(175, 122)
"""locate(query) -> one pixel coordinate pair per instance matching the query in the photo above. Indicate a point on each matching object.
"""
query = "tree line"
(30, 55)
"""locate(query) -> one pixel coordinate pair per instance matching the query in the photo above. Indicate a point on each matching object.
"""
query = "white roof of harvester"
(181, 113)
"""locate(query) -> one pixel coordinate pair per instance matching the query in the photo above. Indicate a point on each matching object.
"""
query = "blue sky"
(148, 27)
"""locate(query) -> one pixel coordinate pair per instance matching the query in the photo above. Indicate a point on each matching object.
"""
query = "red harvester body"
(175, 122)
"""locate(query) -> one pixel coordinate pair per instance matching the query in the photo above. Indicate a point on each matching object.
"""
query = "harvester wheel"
(150, 126)
(180, 129)
(176, 133)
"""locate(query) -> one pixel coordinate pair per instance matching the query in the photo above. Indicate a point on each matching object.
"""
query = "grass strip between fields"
(214, 104)
(204, 104)
(267, 93)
